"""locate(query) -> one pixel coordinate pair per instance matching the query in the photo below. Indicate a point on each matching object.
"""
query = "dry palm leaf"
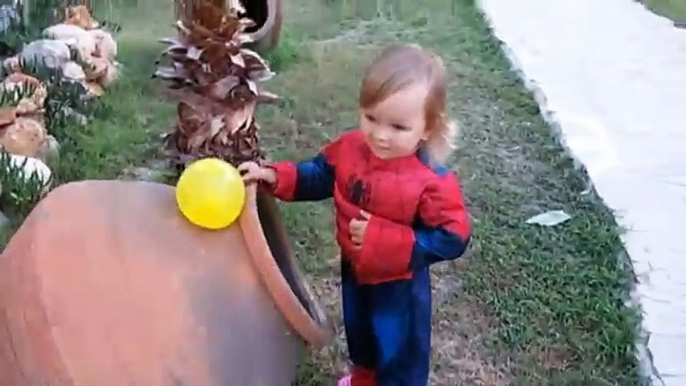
(220, 82)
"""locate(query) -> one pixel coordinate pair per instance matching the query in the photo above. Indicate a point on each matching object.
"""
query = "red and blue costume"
(418, 218)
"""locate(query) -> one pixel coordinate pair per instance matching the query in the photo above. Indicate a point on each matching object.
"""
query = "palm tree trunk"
(217, 81)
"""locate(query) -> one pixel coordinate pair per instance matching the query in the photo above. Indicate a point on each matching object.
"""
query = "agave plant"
(216, 78)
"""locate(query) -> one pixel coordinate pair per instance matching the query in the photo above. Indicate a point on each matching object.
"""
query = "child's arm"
(445, 230)
(307, 180)
(391, 250)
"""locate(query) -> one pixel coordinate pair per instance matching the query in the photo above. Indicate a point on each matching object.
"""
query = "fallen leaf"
(550, 218)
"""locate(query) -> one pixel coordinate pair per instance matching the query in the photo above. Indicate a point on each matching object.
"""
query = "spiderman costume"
(418, 218)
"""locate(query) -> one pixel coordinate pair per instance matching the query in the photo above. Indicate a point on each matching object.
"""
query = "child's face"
(395, 126)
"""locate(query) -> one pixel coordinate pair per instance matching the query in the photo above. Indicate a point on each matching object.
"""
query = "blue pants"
(388, 327)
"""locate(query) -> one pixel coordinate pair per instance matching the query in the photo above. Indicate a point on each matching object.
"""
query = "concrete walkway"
(612, 76)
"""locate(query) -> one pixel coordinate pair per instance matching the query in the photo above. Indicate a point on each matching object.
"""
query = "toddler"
(398, 210)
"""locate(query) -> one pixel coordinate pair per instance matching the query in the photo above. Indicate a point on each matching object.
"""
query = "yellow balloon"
(210, 193)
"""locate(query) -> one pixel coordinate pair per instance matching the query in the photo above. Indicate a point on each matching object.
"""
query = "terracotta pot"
(106, 283)
(268, 16)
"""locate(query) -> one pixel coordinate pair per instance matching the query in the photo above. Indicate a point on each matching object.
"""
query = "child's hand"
(252, 172)
(358, 228)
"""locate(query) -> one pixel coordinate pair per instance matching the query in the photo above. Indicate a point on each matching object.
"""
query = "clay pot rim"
(314, 333)
(272, 10)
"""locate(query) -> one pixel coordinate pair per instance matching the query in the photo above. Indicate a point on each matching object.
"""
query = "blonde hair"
(401, 66)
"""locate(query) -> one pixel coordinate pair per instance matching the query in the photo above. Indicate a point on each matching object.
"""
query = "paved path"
(612, 76)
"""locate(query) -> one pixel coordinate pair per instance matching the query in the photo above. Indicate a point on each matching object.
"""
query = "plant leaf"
(260, 75)
(251, 86)
(267, 97)
(193, 53)
(253, 60)
(221, 89)
(244, 38)
(167, 73)
(216, 125)
(235, 119)
(238, 60)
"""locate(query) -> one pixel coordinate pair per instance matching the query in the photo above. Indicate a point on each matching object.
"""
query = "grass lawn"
(673, 9)
(527, 305)
(125, 132)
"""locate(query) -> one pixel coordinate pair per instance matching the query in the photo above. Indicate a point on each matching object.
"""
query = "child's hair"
(400, 66)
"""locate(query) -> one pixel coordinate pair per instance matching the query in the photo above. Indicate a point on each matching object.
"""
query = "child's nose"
(381, 134)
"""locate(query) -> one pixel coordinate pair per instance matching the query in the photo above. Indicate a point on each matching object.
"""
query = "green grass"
(551, 298)
(527, 305)
(673, 9)
(125, 130)
(128, 135)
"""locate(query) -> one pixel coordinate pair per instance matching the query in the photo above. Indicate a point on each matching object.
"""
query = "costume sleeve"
(444, 231)
(392, 251)
(307, 180)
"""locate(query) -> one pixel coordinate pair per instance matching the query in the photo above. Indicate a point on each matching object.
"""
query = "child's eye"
(370, 118)
(400, 127)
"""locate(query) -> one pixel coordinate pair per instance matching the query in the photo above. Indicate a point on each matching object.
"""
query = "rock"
(105, 45)
(95, 68)
(37, 116)
(74, 36)
(23, 137)
(28, 104)
(101, 71)
(81, 17)
(73, 71)
(30, 166)
(7, 115)
(53, 53)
